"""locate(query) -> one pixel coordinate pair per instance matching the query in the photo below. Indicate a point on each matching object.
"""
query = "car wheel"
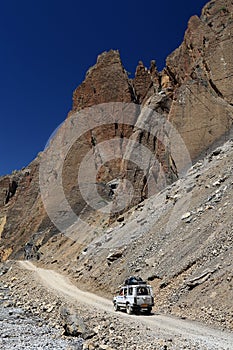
(148, 311)
(116, 307)
(129, 309)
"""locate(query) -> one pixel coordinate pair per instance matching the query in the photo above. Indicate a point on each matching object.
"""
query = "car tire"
(148, 311)
(116, 307)
(129, 309)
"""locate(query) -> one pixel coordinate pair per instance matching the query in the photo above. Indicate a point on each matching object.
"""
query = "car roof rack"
(132, 280)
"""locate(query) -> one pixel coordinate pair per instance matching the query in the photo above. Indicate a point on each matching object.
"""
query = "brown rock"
(107, 81)
(202, 67)
(142, 82)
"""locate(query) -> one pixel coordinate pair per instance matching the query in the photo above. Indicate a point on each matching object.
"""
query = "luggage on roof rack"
(134, 280)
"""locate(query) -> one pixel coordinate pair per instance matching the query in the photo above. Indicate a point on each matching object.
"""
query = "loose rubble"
(33, 317)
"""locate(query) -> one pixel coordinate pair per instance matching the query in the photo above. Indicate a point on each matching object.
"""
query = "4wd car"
(134, 297)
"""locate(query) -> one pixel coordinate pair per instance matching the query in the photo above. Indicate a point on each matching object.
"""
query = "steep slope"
(180, 240)
(141, 135)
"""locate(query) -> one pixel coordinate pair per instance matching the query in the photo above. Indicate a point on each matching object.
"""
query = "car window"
(130, 291)
(142, 291)
(121, 292)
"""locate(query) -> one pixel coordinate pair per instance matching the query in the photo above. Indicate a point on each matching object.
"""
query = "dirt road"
(162, 325)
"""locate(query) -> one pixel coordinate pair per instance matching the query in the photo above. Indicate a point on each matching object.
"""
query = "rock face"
(193, 95)
(193, 92)
(180, 240)
(202, 70)
(107, 81)
(22, 215)
(146, 82)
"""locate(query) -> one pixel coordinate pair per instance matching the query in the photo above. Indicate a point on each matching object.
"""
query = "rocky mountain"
(142, 135)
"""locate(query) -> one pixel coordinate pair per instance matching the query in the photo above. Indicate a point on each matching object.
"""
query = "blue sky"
(46, 47)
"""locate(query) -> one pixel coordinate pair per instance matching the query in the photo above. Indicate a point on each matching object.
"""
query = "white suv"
(134, 298)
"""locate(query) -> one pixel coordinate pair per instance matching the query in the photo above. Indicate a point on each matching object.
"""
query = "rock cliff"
(202, 70)
(193, 93)
(192, 96)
